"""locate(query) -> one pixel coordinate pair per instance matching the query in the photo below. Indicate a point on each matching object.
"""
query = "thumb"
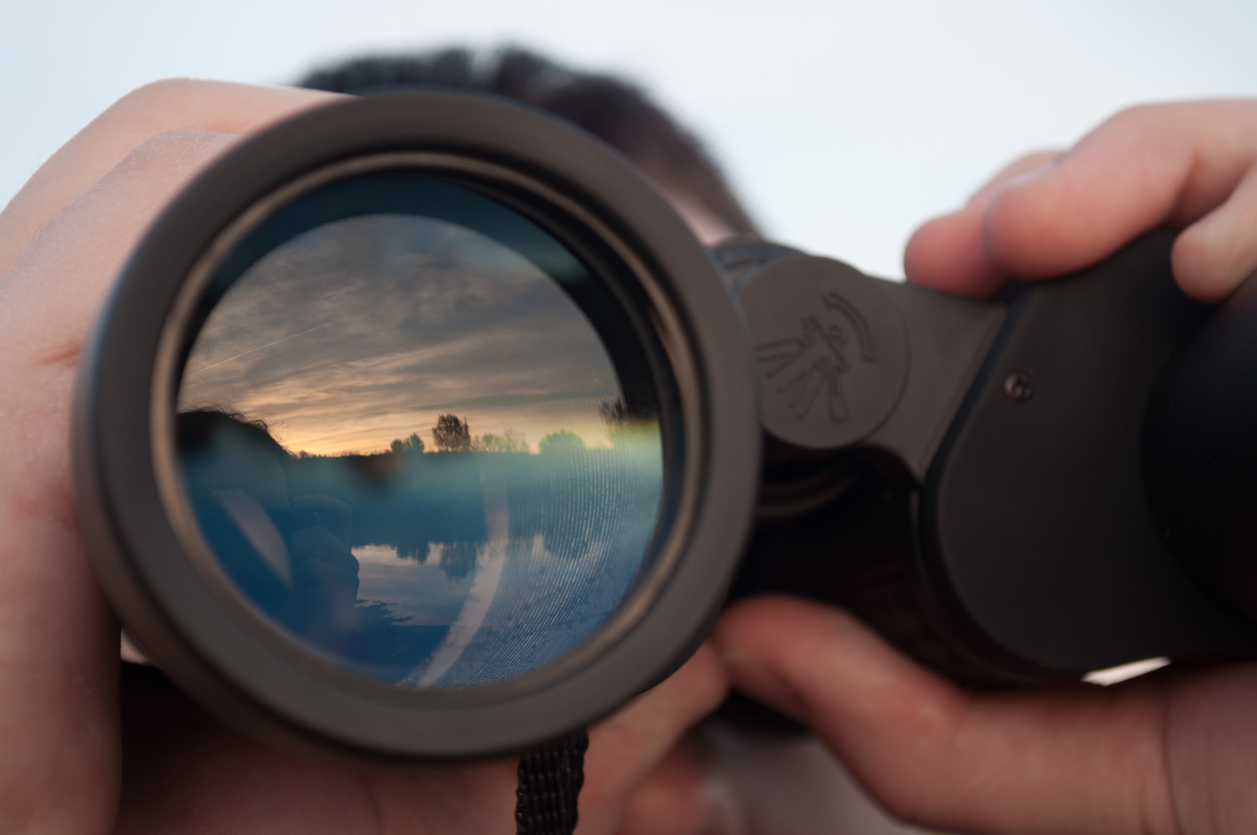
(1064, 759)
(876, 709)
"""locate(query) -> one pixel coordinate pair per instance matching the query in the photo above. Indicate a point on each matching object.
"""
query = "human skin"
(82, 756)
(1171, 752)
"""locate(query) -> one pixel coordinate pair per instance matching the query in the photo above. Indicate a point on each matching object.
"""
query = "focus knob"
(831, 347)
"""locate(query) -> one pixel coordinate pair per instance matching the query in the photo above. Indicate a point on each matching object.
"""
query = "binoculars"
(421, 427)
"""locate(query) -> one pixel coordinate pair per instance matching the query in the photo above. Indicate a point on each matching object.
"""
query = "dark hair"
(616, 111)
(199, 428)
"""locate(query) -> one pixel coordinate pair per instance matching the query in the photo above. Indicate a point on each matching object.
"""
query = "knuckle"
(155, 93)
(1144, 120)
(1137, 114)
(174, 148)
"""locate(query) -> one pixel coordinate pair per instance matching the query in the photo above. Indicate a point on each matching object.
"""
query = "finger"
(948, 252)
(58, 663)
(187, 772)
(626, 748)
(177, 104)
(1211, 733)
(51, 294)
(1076, 759)
(58, 639)
(1217, 253)
(684, 795)
(1164, 165)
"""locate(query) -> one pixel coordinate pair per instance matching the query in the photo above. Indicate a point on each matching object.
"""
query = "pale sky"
(844, 124)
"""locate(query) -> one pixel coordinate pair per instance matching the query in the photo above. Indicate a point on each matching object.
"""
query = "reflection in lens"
(407, 446)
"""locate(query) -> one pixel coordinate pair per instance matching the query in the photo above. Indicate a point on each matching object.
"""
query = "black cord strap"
(550, 779)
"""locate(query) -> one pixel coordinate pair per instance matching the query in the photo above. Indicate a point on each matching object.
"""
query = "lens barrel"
(419, 426)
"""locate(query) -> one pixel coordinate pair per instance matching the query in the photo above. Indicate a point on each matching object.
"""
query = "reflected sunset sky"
(366, 329)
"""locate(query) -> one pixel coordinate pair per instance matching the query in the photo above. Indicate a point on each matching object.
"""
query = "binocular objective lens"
(406, 447)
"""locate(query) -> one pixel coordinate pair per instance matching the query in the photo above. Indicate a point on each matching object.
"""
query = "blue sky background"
(844, 124)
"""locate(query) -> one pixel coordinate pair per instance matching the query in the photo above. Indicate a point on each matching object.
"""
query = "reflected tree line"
(424, 504)
(423, 501)
(453, 434)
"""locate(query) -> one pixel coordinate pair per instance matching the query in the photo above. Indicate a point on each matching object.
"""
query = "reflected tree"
(622, 426)
(412, 546)
(561, 441)
(509, 441)
(451, 434)
(614, 412)
(407, 446)
(458, 559)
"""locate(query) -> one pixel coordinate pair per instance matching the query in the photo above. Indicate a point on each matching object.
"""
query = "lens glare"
(409, 449)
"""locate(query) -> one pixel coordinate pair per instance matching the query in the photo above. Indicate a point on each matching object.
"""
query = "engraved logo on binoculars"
(803, 366)
(831, 348)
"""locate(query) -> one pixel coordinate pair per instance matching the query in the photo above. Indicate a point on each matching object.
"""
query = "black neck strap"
(550, 779)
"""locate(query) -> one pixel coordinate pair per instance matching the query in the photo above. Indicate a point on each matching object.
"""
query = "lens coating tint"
(414, 437)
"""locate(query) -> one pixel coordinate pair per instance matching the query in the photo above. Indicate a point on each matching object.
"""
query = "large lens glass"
(417, 434)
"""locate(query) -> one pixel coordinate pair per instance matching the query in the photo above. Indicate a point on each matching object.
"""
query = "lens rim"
(177, 618)
(187, 317)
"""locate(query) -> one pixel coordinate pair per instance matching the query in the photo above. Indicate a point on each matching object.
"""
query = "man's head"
(225, 451)
(610, 108)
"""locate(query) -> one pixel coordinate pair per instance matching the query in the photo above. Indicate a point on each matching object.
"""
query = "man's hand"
(77, 759)
(1172, 752)
(1187, 166)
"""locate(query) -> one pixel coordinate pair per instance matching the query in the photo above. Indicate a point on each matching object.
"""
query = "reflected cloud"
(363, 330)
